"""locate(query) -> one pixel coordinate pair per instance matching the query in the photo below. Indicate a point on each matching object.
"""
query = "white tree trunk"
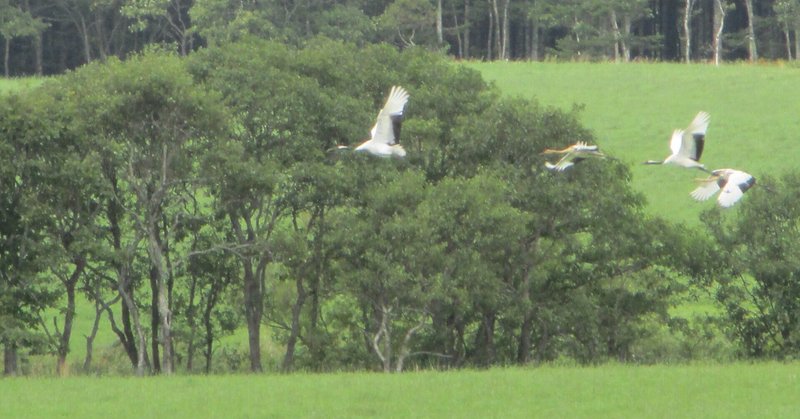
(719, 23)
(617, 35)
(687, 31)
(466, 28)
(797, 41)
(505, 49)
(751, 34)
(439, 30)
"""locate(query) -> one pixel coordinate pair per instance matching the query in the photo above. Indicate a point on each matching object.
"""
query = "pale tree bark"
(626, 32)
(719, 24)
(505, 48)
(457, 27)
(617, 35)
(687, 30)
(127, 300)
(439, 30)
(152, 198)
(797, 41)
(751, 35)
(535, 40)
(383, 335)
(404, 348)
(787, 36)
(467, 23)
(100, 306)
(490, 34)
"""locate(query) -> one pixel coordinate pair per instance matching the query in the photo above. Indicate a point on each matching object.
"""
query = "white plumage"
(733, 183)
(687, 145)
(385, 135)
(572, 155)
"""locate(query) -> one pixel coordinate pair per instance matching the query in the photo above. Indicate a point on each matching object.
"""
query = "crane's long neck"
(654, 162)
(551, 151)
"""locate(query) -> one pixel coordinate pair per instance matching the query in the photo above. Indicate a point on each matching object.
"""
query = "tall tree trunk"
(155, 320)
(751, 34)
(484, 339)
(294, 332)
(99, 307)
(38, 54)
(100, 36)
(457, 27)
(687, 31)
(127, 300)
(87, 46)
(122, 266)
(6, 56)
(787, 36)
(505, 30)
(190, 320)
(69, 316)
(490, 34)
(10, 360)
(797, 41)
(617, 35)
(439, 30)
(253, 287)
(383, 335)
(162, 300)
(719, 24)
(524, 346)
(467, 23)
(211, 301)
(626, 33)
(498, 40)
(254, 307)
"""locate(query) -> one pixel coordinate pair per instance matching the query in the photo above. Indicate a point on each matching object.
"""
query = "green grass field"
(633, 109)
(17, 84)
(612, 391)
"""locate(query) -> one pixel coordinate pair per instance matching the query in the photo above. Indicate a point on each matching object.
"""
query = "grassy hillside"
(633, 109)
(16, 84)
(731, 391)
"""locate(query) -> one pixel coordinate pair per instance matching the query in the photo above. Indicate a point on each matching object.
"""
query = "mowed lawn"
(766, 390)
(633, 109)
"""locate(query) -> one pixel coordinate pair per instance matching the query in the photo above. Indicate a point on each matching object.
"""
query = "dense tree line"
(51, 36)
(187, 197)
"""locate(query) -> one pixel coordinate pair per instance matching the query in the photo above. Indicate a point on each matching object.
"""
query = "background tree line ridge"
(52, 36)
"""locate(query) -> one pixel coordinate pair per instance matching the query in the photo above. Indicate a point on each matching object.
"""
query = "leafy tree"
(387, 262)
(154, 122)
(758, 287)
(16, 22)
(411, 22)
(787, 13)
(24, 251)
(171, 16)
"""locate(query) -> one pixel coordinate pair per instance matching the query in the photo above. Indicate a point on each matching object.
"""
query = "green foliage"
(212, 179)
(759, 287)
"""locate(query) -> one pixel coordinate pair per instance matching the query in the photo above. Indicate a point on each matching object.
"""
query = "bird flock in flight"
(686, 146)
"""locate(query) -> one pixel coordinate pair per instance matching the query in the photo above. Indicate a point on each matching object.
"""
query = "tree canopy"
(187, 198)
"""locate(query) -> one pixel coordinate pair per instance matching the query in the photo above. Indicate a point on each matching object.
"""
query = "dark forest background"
(51, 36)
